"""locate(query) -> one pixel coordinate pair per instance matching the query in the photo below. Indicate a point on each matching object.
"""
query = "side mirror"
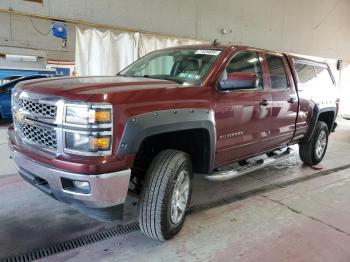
(241, 80)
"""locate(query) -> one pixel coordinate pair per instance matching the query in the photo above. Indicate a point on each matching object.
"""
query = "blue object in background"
(59, 29)
(62, 71)
(4, 72)
(6, 91)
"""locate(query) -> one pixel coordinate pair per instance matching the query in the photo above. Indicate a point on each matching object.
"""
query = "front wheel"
(312, 152)
(166, 195)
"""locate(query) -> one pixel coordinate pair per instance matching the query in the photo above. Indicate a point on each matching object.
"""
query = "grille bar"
(44, 137)
(37, 107)
(34, 109)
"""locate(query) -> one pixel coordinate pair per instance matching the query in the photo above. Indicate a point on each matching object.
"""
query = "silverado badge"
(19, 116)
(230, 135)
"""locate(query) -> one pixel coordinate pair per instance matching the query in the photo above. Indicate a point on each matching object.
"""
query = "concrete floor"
(308, 221)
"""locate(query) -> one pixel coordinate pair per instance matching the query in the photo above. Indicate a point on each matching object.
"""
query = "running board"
(233, 173)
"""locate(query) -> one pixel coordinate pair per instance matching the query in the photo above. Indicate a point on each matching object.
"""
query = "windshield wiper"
(165, 78)
(128, 75)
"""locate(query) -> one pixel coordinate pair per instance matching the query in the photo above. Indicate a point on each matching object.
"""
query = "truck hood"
(82, 88)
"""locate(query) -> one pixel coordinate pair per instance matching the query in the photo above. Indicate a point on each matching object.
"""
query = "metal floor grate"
(72, 244)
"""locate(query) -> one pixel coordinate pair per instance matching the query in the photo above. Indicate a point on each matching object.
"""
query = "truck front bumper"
(105, 190)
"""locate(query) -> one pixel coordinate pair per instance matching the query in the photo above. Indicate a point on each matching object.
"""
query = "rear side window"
(277, 72)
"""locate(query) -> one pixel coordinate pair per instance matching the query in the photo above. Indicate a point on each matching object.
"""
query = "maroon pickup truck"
(174, 113)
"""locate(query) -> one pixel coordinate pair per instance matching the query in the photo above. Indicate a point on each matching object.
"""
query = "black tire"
(307, 150)
(155, 202)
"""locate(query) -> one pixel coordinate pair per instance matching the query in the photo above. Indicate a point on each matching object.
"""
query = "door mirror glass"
(241, 80)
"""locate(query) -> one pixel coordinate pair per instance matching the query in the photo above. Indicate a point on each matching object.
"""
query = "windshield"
(184, 66)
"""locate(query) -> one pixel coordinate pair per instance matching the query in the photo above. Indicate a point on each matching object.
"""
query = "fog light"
(84, 185)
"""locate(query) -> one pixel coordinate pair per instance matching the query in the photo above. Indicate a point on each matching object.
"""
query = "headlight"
(84, 115)
(87, 143)
(93, 125)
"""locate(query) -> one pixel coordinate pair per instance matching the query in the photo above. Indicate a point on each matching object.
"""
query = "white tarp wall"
(345, 91)
(107, 53)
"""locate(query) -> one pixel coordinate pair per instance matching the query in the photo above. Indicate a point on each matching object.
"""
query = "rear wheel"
(166, 195)
(313, 151)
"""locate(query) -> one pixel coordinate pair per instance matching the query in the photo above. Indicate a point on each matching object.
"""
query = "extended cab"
(174, 113)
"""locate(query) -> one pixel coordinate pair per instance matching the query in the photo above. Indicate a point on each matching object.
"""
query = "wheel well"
(328, 118)
(195, 142)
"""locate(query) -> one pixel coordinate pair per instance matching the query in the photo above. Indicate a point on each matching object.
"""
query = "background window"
(306, 74)
(246, 62)
(277, 72)
(311, 76)
(323, 77)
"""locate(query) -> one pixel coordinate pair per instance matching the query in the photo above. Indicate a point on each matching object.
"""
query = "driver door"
(242, 115)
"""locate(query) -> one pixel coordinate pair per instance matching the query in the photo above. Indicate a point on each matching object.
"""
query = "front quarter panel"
(152, 123)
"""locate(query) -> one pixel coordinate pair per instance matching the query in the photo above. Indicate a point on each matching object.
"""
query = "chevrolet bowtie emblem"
(19, 116)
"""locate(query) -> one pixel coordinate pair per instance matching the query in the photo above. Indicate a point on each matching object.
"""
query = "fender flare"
(145, 125)
(315, 115)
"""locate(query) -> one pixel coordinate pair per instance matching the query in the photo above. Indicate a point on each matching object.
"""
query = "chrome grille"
(36, 107)
(44, 137)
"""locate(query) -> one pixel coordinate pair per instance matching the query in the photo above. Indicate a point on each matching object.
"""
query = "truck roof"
(318, 60)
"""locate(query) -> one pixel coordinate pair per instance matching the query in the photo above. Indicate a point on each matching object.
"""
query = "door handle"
(291, 100)
(264, 102)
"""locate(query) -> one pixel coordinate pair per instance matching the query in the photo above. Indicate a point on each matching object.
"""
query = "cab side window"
(245, 70)
(277, 72)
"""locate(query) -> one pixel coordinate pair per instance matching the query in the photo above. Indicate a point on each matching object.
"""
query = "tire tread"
(306, 147)
(152, 207)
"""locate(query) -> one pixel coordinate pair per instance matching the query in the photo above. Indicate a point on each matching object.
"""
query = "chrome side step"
(233, 173)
